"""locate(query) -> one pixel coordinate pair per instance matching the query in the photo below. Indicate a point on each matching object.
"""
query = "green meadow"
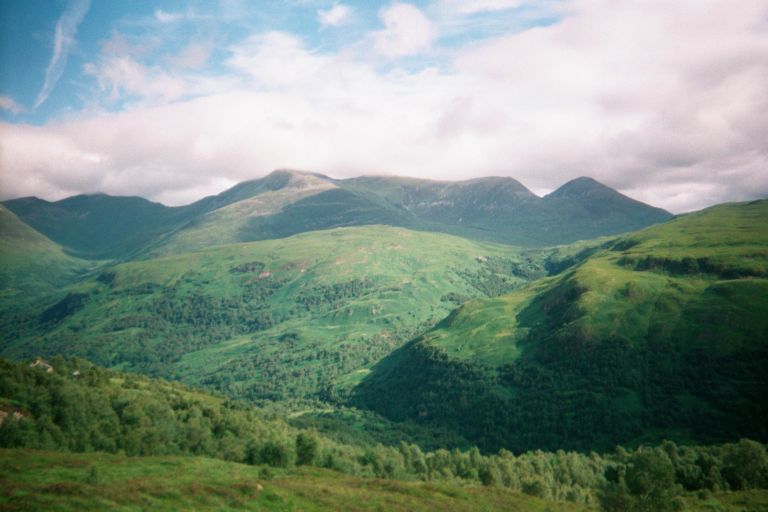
(37, 480)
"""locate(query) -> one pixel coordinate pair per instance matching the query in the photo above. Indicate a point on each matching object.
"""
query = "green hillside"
(298, 317)
(662, 334)
(30, 264)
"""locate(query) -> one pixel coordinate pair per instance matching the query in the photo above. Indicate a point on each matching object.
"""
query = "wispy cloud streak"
(63, 39)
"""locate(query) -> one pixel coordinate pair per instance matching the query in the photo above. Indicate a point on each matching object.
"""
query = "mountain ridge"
(286, 202)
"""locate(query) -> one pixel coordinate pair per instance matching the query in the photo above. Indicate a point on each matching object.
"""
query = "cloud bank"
(663, 101)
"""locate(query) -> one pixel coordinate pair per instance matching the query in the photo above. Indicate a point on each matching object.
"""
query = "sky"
(175, 100)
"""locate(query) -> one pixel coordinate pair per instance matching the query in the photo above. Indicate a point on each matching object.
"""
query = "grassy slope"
(409, 272)
(691, 294)
(230, 223)
(273, 318)
(31, 264)
(35, 480)
(617, 300)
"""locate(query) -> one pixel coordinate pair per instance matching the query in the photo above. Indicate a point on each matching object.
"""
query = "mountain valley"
(379, 313)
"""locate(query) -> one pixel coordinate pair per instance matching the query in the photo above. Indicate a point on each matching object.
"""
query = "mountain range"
(286, 203)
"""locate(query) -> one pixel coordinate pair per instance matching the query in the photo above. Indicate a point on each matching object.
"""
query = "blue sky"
(173, 100)
(167, 27)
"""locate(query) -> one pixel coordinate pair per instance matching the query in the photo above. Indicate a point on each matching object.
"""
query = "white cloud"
(9, 104)
(407, 31)
(275, 59)
(63, 40)
(167, 17)
(476, 6)
(124, 76)
(336, 16)
(193, 56)
(189, 15)
(121, 75)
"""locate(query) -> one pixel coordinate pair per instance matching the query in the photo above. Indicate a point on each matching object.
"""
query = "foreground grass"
(41, 480)
(54, 481)
(743, 501)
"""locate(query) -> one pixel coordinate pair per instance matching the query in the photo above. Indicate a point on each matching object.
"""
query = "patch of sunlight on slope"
(225, 225)
(661, 282)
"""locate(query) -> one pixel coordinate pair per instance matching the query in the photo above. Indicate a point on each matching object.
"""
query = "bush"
(275, 454)
(306, 449)
(746, 465)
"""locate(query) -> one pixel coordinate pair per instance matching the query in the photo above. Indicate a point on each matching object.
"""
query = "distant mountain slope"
(584, 208)
(285, 203)
(445, 201)
(100, 226)
(662, 334)
(97, 226)
(233, 216)
(31, 264)
(503, 210)
(297, 317)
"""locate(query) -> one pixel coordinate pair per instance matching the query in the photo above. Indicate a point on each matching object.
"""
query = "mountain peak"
(276, 180)
(295, 173)
(581, 187)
